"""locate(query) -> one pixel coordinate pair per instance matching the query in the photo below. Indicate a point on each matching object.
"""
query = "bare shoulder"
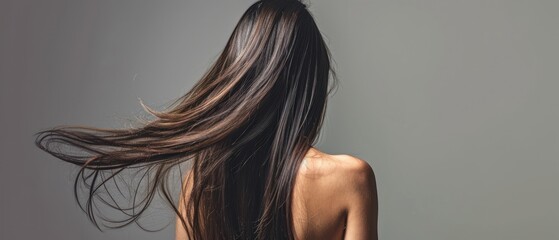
(348, 182)
(361, 199)
(358, 177)
(357, 170)
(353, 171)
(346, 177)
(324, 189)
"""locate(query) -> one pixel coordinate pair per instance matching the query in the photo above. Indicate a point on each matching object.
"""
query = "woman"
(248, 128)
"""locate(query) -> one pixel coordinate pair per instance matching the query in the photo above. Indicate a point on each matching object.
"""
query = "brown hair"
(246, 125)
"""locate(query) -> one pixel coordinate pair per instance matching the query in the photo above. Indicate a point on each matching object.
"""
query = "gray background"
(453, 103)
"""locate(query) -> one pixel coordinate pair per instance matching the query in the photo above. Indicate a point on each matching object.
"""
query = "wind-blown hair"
(245, 127)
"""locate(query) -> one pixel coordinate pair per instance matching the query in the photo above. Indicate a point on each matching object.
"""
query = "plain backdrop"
(454, 104)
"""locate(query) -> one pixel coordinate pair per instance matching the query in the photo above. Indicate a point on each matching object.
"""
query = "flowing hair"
(246, 126)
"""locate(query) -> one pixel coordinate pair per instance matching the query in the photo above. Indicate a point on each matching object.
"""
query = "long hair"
(246, 126)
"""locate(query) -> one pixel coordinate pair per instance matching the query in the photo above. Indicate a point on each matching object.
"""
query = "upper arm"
(362, 202)
(186, 187)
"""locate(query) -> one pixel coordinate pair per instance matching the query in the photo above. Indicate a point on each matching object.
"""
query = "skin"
(334, 197)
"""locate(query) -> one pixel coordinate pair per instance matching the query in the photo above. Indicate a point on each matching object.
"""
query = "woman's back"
(334, 197)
